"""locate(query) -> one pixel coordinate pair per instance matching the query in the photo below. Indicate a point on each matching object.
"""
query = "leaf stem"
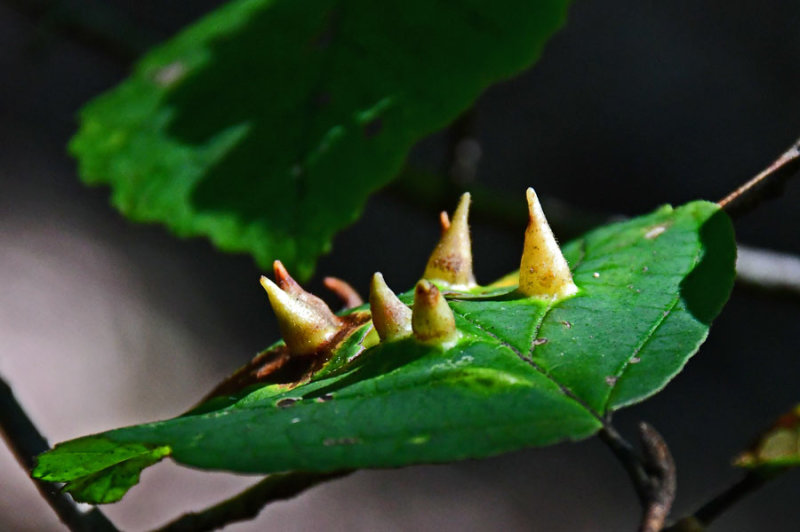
(26, 443)
(247, 504)
(767, 184)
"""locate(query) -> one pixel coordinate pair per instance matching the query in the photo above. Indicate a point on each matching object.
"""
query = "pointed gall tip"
(432, 319)
(304, 328)
(451, 260)
(543, 270)
(444, 221)
(390, 316)
(283, 279)
(287, 283)
(266, 283)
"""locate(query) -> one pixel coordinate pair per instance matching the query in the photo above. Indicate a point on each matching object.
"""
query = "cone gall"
(451, 260)
(543, 271)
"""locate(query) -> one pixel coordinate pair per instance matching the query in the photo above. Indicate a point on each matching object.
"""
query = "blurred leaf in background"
(265, 125)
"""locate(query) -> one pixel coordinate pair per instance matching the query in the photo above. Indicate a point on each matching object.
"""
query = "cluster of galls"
(307, 324)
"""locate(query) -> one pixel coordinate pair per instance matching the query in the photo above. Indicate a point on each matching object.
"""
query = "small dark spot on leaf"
(373, 127)
(324, 38)
(566, 324)
(328, 442)
(645, 269)
(286, 402)
(325, 398)
(323, 99)
(540, 341)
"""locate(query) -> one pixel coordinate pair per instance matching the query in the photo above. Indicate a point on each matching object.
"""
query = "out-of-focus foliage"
(267, 124)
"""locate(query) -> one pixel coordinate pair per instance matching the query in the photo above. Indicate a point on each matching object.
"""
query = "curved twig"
(715, 507)
(629, 459)
(247, 504)
(663, 484)
(26, 443)
(94, 24)
(652, 475)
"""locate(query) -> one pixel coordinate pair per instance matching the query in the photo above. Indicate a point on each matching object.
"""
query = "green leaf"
(266, 125)
(97, 470)
(524, 372)
(778, 448)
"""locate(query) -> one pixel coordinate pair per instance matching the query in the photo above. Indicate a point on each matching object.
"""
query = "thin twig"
(712, 509)
(661, 467)
(627, 456)
(247, 504)
(93, 24)
(767, 184)
(26, 443)
(652, 475)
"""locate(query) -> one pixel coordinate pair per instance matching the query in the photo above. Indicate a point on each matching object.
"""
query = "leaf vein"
(564, 389)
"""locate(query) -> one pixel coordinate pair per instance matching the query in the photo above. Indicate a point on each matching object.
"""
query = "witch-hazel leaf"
(466, 372)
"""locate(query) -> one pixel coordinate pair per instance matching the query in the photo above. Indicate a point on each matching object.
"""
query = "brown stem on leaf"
(767, 184)
(26, 443)
(249, 503)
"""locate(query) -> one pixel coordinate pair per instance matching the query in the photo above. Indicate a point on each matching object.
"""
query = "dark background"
(633, 104)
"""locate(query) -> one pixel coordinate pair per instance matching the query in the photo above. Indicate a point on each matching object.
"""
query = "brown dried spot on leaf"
(277, 366)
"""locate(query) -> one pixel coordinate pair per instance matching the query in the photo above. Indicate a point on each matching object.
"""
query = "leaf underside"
(524, 372)
(266, 125)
